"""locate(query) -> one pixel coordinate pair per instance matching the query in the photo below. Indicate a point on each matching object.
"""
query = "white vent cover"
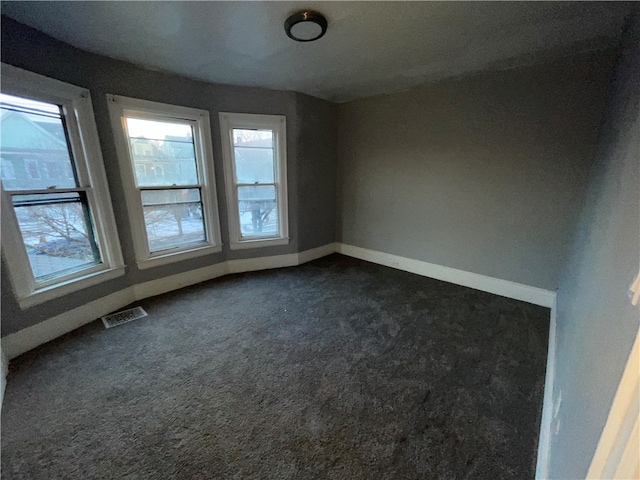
(115, 319)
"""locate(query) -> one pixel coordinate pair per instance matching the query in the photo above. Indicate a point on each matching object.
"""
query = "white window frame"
(87, 156)
(119, 108)
(278, 124)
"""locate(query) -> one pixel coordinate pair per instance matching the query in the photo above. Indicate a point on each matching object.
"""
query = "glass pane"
(173, 218)
(33, 145)
(56, 232)
(176, 195)
(163, 153)
(258, 211)
(253, 152)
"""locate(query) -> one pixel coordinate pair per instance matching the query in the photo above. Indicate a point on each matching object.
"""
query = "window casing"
(254, 151)
(166, 162)
(59, 233)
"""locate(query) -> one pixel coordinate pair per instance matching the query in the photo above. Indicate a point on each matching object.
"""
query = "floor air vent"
(115, 319)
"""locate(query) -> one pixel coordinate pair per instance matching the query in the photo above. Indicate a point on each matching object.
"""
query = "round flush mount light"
(305, 26)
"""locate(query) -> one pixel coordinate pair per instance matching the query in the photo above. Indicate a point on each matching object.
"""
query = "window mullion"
(169, 187)
(48, 191)
(256, 184)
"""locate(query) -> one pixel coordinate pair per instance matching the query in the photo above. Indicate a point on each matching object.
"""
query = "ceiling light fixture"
(305, 26)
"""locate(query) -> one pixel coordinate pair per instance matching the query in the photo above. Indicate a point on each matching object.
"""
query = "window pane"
(253, 152)
(56, 233)
(163, 153)
(258, 212)
(173, 218)
(33, 145)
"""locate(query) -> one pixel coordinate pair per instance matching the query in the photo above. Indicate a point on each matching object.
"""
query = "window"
(32, 168)
(254, 150)
(7, 172)
(167, 170)
(59, 231)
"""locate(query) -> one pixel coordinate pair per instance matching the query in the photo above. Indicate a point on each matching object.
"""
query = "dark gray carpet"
(338, 369)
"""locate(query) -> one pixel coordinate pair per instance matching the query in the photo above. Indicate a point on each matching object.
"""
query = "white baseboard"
(28, 338)
(546, 422)
(262, 263)
(177, 281)
(24, 340)
(504, 288)
(315, 253)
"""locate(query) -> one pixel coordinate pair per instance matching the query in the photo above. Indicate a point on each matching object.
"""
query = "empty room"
(325, 240)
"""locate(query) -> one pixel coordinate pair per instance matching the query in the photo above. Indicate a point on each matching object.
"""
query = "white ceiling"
(370, 47)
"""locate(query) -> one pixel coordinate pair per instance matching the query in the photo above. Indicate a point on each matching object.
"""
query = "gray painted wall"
(317, 148)
(311, 155)
(596, 322)
(483, 174)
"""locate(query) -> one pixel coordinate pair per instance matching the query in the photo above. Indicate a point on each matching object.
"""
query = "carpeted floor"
(337, 369)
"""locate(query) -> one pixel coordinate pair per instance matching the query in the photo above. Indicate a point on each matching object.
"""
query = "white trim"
(24, 82)
(95, 169)
(28, 338)
(546, 422)
(315, 253)
(277, 124)
(179, 255)
(89, 166)
(119, 108)
(616, 455)
(262, 242)
(4, 365)
(504, 288)
(180, 280)
(177, 281)
(61, 289)
(24, 340)
(262, 263)
(14, 251)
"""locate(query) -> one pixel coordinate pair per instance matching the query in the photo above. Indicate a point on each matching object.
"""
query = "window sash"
(276, 200)
(275, 235)
(84, 198)
(142, 115)
(184, 245)
(67, 273)
(48, 164)
(141, 188)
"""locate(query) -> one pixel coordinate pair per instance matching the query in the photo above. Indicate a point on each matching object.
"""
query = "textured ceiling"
(370, 47)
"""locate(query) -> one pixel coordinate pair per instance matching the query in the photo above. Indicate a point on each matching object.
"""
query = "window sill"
(61, 289)
(259, 243)
(178, 256)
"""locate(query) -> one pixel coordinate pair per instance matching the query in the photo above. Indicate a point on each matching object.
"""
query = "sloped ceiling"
(370, 47)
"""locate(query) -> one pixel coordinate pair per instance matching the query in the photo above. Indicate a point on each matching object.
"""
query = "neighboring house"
(157, 161)
(32, 157)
